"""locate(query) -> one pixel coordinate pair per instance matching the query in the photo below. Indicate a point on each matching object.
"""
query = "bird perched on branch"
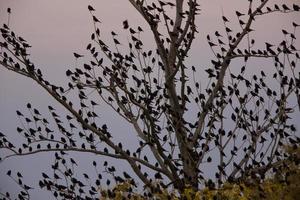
(91, 8)
(76, 55)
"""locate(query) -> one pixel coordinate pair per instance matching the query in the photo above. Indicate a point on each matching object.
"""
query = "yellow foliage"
(189, 193)
(268, 190)
(285, 185)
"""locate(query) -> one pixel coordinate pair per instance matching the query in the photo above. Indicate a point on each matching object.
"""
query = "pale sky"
(56, 29)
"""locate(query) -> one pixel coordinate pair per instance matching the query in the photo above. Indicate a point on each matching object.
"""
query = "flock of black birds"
(245, 119)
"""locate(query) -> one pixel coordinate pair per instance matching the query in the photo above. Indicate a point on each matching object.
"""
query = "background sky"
(56, 29)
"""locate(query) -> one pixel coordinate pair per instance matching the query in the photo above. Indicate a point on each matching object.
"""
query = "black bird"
(208, 37)
(125, 24)
(26, 187)
(77, 55)
(296, 7)
(209, 159)
(218, 34)
(225, 19)
(284, 32)
(95, 19)
(132, 31)
(19, 113)
(45, 176)
(30, 68)
(285, 7)
(269, 9)
(158, 176)
(91, 8)
(19, 175)
(116, 41)
(211, 44)
(239, 14)
(241, 22)
(127, 176)
(140, 29)
(295, 25)
(228, 30)
(268, 47)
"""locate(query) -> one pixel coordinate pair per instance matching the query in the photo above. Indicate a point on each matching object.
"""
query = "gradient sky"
(58, 28)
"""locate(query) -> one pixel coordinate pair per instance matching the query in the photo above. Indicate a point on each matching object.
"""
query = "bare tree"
(242, 118)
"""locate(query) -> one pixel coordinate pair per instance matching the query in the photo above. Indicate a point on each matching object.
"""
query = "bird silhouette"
(125, 24)
(239, 14)
(140, 29)
(296, 7)
(295, 25)
(225, 19)
(285, 7)
(76, 55)
(95, 19)
(91, 8)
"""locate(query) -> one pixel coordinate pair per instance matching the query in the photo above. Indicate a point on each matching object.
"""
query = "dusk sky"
(57, 28)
